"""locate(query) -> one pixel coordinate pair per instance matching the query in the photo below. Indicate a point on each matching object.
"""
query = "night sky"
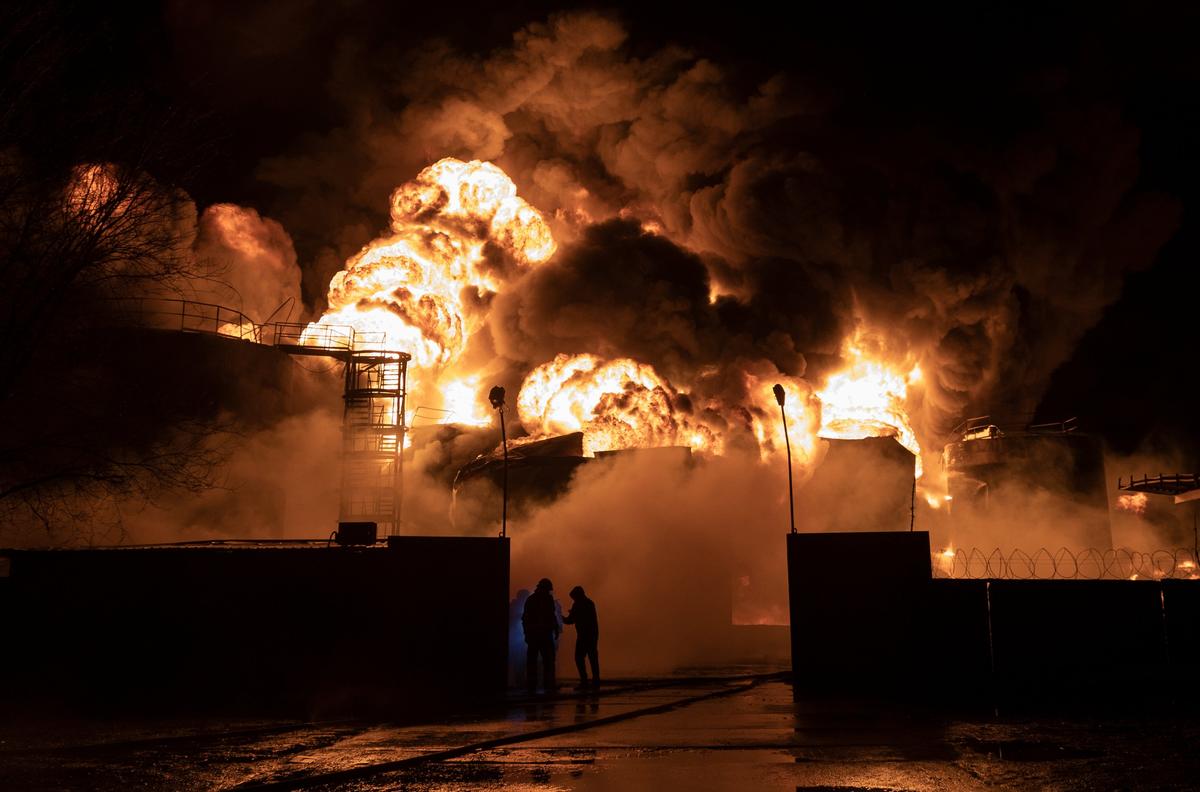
(273, 82)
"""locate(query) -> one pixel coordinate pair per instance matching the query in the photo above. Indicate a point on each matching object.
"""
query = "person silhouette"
(541, 630)
(587, 636)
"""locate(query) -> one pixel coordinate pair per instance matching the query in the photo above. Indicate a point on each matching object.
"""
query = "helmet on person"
(545, 585)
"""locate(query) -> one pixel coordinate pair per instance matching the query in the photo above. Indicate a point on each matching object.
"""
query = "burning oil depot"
(659, 485)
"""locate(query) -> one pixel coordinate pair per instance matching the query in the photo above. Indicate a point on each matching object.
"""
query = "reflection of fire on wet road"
(698, 735)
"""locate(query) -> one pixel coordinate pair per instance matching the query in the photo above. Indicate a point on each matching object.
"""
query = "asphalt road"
(717, 734)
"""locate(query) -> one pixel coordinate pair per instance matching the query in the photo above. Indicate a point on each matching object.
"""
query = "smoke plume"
(983, 249)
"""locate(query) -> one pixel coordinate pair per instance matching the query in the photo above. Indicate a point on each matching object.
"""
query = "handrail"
(1014, 425)
(1191, 480)
(188, 316)
(195, 316)
(341, 337)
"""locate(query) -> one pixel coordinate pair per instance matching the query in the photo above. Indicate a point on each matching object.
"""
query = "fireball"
(407, 291)
(460, 233)
(617, 404)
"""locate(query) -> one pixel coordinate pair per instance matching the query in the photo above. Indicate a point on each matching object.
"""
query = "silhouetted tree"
(87, 213)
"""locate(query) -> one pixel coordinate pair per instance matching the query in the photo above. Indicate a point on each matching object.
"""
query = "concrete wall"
(856, 601)
(890, 626)
(306, 630)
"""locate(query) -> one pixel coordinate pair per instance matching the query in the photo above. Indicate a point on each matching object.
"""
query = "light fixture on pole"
(496, 397)
(780, 397)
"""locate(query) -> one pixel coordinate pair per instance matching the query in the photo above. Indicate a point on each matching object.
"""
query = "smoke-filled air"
(638, 245)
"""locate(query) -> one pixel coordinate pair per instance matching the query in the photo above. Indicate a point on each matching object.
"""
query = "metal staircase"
(373, 426)
(373, 437)
(376, 385)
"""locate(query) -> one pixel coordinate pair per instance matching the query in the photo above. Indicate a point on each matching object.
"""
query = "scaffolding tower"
(373, 438)
(376, 385)
(373, 425)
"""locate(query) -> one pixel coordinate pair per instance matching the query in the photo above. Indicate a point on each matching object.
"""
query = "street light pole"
(496, 397)
(780, 397)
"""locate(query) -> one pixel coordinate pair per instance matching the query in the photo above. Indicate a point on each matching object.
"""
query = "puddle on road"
(1027, 750)
(826, 788)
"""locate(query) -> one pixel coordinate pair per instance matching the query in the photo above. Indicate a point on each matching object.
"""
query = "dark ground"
(725, 733)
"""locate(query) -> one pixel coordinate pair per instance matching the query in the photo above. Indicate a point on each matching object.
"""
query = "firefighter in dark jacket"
(587, 635)
(541, 633)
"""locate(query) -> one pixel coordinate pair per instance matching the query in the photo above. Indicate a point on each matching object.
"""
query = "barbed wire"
(1064, 564)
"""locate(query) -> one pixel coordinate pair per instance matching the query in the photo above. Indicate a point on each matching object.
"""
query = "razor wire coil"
(1065, 564)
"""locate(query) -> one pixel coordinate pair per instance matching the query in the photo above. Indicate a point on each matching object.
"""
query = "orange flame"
(423, 289)
(91, 189)
(803, 412)
(867, 399)
(617, 404)
(933, 498)
(1133, 504)
(408, 290)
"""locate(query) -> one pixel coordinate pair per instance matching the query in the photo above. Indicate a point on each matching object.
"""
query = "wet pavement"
(698, 734)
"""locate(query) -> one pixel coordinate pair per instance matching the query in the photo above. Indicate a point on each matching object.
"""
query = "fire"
(867, 398)
(419, 289)
(936, 500)
(944, 560)
(1134, 504)
(462, 404)
(91, 189)
(617, 404)
(460, 234)
(803, 419)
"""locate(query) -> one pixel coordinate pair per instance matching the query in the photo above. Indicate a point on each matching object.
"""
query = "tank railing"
(374, 341)
(189, 316)
(1065, 564)
(321, 336)
(1013, 424)
(1054, 427)
(977, 422)
(194, 316)
(1172, 481)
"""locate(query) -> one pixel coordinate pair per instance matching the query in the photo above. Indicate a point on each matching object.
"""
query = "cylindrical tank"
(859, 485)
(1027, 487)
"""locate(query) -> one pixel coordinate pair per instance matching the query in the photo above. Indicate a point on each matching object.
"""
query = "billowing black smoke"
(981, 217)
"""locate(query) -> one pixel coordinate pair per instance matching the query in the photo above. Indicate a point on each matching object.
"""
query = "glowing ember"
(1133, 504)
(617, 404)
(867, 399)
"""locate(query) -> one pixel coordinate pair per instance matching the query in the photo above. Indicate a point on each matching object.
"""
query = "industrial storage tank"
(865, 484)
(1027, 485)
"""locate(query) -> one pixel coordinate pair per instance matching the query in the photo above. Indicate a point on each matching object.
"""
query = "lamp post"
(496, 397)
(780, 397)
